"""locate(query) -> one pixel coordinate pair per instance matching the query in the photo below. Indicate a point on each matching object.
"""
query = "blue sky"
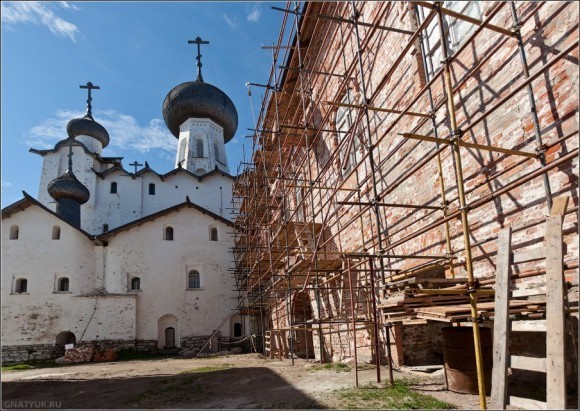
(136, 52)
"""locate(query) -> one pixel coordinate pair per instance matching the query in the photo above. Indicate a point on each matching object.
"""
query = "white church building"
(125, 258)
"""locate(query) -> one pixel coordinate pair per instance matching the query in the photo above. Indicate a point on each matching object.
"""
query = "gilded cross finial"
(89, 86)
(199, 42)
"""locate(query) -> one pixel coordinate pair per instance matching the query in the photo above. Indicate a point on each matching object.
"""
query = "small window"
(168, 233)
(135, 283)
(193, 279)
(182, 147)
(14, 232)
(151, 189)
(213, 234)
(56, 232)
(216, 151)
(113, 188)
(105, 228)
(345, 117)
(237, 330)
(199, 147)
(63, 284)
(21, 285)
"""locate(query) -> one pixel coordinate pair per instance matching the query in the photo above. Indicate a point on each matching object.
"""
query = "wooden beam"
(501, 320)
(559, 206)
(381, 109)
(529, 325)
(555, 320)
(528, 404)
(528, 363)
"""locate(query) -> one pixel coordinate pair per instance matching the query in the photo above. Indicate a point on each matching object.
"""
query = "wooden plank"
(528, 363)
(527, 292)
(529, 325)
(559, 206)
(538, 253)
(501, 320)
(528, 404)
(555, 335)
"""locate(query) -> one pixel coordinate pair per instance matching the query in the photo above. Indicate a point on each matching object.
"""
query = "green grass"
(338, 367)
(397, 397)
(31, 365)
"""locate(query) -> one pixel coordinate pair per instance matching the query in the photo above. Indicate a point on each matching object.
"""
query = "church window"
(345, 117)
(136, 283)
(456, 31)
(56, 232)
(113, 188)
(199, 147)
(168, 234)
(63, 284)
(193, 280)
(217, 152)
(237, 330)
(105, 228)
(151, 189)
(182, 147)
(14, 232)
(21, 286)
(213, 234)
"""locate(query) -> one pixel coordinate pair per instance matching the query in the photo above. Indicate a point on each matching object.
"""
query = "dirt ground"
(229, 382)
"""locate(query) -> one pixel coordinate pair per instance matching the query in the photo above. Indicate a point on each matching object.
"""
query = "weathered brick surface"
(486, 71)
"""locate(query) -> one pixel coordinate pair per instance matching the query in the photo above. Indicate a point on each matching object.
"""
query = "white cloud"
(254, 15)
(232, 22)
(124, 130)
(67, 5)
(36, 12)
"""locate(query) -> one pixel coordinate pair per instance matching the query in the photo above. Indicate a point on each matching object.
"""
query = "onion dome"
(87, 126)
(196, 99)
(68, 186)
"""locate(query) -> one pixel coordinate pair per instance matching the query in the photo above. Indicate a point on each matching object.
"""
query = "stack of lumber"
(456, 313)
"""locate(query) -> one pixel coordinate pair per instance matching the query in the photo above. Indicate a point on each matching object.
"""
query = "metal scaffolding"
(312, 223)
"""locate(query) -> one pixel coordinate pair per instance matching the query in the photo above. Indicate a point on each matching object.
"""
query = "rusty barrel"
(459, 357)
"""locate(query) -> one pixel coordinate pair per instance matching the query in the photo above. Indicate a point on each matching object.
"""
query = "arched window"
(14, 232)
(113, 188)
(105, 228)
(345, 117)
(199, 147)
(21, 285)
(151, 189)
(136, 283)
(182, 147)
(168, 233)
(216, 151)
(63, 284)
(237, 330)
(56, 232)
(213, 234)
(193, 279)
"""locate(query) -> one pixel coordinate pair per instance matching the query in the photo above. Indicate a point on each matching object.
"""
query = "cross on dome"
(89, 86)
(199, 42)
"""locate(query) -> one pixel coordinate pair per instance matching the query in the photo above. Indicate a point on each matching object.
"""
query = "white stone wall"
(37, 316)
(212, 136)
(162, 267)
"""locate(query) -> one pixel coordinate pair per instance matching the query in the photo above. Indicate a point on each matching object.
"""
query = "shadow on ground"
(255, 387)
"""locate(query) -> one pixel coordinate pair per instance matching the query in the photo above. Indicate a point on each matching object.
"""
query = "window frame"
(168, 233)
(191, 272)
(59, 285)
(56, 232)
(132, 284)
(213, 229)
(18, 285)
(152, 189)
(14, 232)
(114, 188)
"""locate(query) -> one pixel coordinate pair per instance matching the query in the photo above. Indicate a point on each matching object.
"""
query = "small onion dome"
(67, 186)
(196, 99)
(87, 126)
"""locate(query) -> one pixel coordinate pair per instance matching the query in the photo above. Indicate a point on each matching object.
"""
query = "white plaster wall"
(37, 316)
(162, 267)
(210, 133)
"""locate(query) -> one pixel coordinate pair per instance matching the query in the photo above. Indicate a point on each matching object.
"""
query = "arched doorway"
(62, 339)
(167, 332)
(169, 337)
(301, 314)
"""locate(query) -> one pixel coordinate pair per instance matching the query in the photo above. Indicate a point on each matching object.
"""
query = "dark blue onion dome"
(68, 186)
(196, 99)
(87, 126)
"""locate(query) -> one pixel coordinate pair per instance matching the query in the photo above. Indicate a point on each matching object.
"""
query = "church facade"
(126, 259)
